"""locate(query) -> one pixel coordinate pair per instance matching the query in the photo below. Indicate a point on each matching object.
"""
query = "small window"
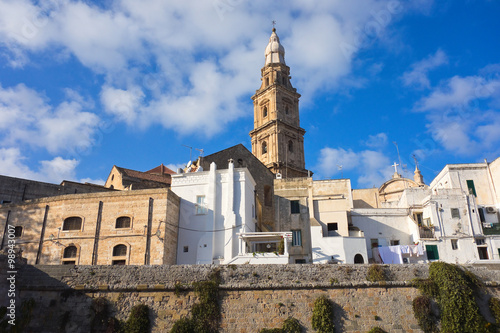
(70, 252)
(186, 249)
(432, 252)
(455, 213)
(332, 229)
(290, 146)
(267, 81)
(18, 231)
(120, 250)
(201, 207)
(300, 261)
(471, 187)
(480, 241)
(294, 207)
(454, 244)
(119, 262)
(286, 109)
(296, 238)
(72, 223)
(418, 218)
(268, 198)
(122, 222)
(112, 177)
(264, 112)
(395, 242)
(264, 148)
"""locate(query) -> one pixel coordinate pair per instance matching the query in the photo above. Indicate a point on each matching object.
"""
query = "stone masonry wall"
(252, 296)
(136, 205)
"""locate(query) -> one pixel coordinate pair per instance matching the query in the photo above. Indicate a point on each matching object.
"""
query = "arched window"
(120, 250)
(72, 223)
(69, 255)
(267, 81)
(286, 109)
(290, 146)
(264, 112)
(119, 255)
(122, 222)
(264, 148)
(70, 252)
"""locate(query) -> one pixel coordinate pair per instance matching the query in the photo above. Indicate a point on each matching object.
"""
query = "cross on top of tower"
(274, 25)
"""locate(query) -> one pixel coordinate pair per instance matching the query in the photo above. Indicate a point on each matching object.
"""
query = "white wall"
(229, 196)
(338, 248)
(384, 224)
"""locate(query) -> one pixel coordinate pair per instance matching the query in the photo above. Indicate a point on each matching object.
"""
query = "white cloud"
(187, 64)
(417, 77)
(462, 114)
(12, 163)
(93, 181)
(373, 167)
(376, 141)
(26, 117)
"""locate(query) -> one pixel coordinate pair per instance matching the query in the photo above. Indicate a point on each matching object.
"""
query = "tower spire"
(277, 138)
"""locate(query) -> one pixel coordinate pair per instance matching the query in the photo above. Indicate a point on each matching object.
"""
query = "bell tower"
(277, 138)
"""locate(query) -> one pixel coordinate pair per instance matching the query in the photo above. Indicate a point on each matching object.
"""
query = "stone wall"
(17, 189)
(252, 296)
(43, 239)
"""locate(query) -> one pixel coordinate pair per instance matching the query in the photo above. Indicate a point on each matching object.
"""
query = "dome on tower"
(275, 52)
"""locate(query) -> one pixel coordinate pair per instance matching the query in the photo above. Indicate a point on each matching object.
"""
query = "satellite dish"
(189, 164)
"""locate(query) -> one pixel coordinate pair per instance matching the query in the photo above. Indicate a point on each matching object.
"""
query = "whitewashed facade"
(216, 206)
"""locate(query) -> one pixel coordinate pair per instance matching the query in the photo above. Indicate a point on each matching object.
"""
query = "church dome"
(275, 52)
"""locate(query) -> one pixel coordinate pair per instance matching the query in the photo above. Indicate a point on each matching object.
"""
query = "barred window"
(120, 250)
(122, 222)
(70, 252)
(72, 223)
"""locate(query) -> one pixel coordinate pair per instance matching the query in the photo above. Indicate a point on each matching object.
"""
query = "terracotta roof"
(161, 170)
(146, 176)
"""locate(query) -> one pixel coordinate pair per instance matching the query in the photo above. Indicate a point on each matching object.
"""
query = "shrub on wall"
(291, 325)
(322, 318)
(376, 273)
(138, 321)
(456, 299)
(205, 315)
(494, 304)
(376, 330)
(422, 309)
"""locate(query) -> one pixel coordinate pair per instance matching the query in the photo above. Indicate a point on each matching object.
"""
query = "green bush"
(456, 299)
(376, 330)
(427, 287)
(422, 309)
(322, 318)
(376, 273)
(138, 321)
(183, 325)
(291, 325)
(494, 304)
(271, 330)
(205, 315)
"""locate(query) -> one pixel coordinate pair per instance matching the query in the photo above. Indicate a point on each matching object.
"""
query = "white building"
(216, 206)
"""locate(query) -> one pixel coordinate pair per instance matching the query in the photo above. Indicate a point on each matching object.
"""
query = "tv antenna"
(190, 152)
(341, 172)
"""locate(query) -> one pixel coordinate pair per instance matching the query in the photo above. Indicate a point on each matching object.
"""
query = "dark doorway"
(358, 259)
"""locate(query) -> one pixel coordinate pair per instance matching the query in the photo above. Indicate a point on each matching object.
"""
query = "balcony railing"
(426, 232)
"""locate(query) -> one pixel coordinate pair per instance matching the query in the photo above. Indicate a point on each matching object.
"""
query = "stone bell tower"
(277, 138)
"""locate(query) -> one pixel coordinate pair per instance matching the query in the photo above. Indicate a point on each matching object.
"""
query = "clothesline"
(394, 254)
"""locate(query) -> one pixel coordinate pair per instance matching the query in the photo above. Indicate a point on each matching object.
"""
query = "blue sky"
(87, 85)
